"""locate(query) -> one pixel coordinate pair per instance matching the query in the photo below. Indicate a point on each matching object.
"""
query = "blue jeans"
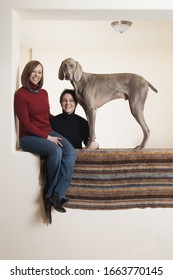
(60, 161)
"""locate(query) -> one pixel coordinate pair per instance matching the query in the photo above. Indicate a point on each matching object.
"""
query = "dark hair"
(29, 67)
(70, 91)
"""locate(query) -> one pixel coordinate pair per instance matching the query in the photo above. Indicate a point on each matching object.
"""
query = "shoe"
(59, 208)
(64, 201)
(56, 202)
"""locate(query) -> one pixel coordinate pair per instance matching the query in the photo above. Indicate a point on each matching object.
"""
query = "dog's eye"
(71, 65)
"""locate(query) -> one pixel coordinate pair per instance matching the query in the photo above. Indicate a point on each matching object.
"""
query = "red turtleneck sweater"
(33, 112)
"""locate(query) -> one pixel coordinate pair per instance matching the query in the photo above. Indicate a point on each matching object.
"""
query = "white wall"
(129, 234)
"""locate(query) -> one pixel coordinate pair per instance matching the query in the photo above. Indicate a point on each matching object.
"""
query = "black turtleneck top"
(73, 127)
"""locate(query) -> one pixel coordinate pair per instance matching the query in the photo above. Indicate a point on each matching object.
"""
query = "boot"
(56, 202)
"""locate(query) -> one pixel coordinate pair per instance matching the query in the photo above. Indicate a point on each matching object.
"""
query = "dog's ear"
(78, 72)
(61, 73)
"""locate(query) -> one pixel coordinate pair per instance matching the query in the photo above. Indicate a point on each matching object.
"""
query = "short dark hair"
(70, 91)
(29, 67)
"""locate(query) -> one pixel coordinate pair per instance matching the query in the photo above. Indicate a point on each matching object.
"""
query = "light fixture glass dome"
(121, 25)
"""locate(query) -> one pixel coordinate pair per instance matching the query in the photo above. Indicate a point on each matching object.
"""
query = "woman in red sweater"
(32, 108)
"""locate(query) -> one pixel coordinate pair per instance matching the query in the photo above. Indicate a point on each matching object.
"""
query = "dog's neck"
(79, 85)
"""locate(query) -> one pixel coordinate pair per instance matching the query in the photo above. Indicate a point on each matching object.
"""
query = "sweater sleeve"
(21, 110)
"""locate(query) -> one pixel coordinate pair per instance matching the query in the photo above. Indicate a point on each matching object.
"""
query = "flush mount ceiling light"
(121, 25)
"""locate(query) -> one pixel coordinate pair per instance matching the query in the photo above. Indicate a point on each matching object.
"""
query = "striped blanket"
(120, 179)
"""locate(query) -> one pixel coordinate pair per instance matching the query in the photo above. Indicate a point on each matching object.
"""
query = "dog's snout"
(67, 76)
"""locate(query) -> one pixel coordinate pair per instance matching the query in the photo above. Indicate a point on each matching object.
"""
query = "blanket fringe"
(43, 181)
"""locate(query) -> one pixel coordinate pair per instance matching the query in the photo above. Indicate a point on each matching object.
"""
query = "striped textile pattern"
(122, 179)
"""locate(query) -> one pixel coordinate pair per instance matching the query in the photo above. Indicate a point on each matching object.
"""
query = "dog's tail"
(153, 88)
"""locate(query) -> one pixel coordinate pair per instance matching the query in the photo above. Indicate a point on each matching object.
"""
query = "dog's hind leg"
(137, 112)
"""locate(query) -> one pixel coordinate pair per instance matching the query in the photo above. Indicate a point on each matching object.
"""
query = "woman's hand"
(55, 140)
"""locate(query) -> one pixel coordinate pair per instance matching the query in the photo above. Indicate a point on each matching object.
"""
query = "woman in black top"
(73, 127)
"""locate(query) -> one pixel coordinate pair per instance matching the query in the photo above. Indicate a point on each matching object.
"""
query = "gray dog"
(94, 90)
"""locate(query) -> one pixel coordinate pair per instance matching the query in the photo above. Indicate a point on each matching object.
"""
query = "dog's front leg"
(91, 117)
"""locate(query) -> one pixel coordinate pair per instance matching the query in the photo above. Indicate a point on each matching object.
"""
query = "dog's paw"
(138, 148)
(92, 146)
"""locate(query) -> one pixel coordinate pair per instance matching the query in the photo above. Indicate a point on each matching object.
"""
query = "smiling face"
(36, 75)
(68, 104)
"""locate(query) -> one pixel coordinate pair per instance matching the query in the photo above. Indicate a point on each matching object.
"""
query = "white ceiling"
(92, 28)
(144, 15)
